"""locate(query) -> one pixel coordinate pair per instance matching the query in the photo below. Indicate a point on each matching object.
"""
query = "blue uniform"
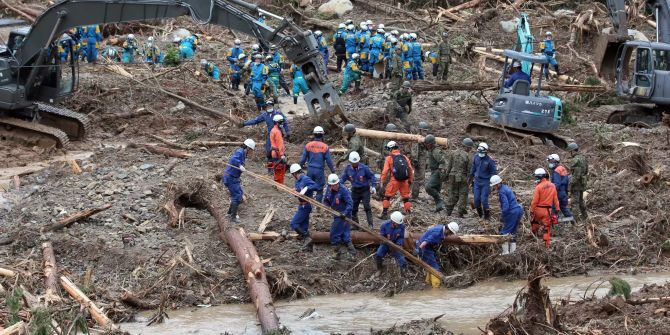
(186, 49)
(340, 230)
(233, 53)
(316, 155)
(300, 221)
(482, 170)
(376, 50)
(91, 36)
(549, 51)
(299, 82)
(364, 49)
(213, 71)
(561, 178)
(259, 74)
(511, 211)
(395, 233)
(323, 49)
(231, 175)
(359, 177)
(351, 43)
(352, 73)
(129, 48)
(417, 60)
(269, 123)
(518, 75)
(434, 236)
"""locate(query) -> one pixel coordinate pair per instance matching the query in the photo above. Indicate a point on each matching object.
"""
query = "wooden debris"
(19, 328)
(50, 274)
(18, 11)
(214, 144)
(464, 5)
(369, 133)
(171, 143)
(66, 222)
(647, 300)
(139, 112)
(536, 69)
(610, 217)
(75, 167)
(96, 313)
(268, 217)
(427, 86)
(7, 273)
(154, 149)
(131, 300)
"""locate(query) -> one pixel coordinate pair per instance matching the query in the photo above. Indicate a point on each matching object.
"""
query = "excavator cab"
(643, 72)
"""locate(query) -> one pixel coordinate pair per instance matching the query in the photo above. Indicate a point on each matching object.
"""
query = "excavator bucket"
(605, 54)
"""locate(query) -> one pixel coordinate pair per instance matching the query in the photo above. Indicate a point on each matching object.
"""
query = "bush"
(172, 57)
(619, 287)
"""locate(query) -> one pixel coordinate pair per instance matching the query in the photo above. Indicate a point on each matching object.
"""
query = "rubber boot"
(450, 209)
(505, 248)
(385, 214)
(434, 281)
(368, 215)
(512, 247)
(558, 73)
(487, 214)
(440, 206)
(352, 250)
(308, 246)
(379, 265)
(480, 212)
(338, 252)
(233, 213)
(295, 100)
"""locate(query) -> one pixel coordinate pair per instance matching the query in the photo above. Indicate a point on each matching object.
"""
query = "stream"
(465, 309)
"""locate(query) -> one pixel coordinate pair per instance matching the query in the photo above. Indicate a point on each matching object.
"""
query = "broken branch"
(96, 313)
(66, 222)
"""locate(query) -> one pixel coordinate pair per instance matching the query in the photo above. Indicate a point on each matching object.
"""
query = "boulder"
(335, 8)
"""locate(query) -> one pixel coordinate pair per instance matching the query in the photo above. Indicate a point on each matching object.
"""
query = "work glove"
(373, 190)
(342, 216)
(304, 190)
(283, 159)
(242, 168)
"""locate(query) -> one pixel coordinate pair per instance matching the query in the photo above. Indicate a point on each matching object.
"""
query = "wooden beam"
(378, 134)
(66, 222)
(96, 313)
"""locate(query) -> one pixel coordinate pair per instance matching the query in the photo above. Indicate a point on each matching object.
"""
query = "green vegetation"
(172, 57)
(40, 324)
(619, 287)
(13, 301)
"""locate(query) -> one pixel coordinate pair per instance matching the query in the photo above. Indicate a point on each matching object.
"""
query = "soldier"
(396, 69)
(579, 170)
(456, 173)
(418, 156)
(441, 68)
(354, 143)
(436, 163)
(401, 105)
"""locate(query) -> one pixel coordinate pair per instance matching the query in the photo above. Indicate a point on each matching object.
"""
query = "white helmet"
(354, 157)
(318, 130)
(333, 179)
(516, 64)
(453, 226)
(549, 33)
(368, 21)
(381, 26)
(554, 157)
(255, 46)
(131, 36)
(150, 39)
(391, 145)
(238, 42)
(483, 147)
(412, 35)
(341, 26)
(394, 40)
(540, 173)
(495, 180)
(363, 25)
(318, 33)
(277, 118)
(351, 27)
(354, 56)
(176, 39)
(395, 32)
(203, 62)
(241, 56)
(294, 168)
(380, 30)
(250, 143)
(397, 217)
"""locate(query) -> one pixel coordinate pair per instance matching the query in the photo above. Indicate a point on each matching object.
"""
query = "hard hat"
(258, 56)
(294, 168)
(386, 35)
(273, 47)
(397, 217)
(354, 56)
(268, 57)
(203, 62)
(131, 36)
(341, 26)
(549, 33)
(468, 142)
(350, 27)
(406, 84)
(333, 179)
(349, 21)
(483, 147)
(255, 47)
(241, 56)
(150, 39)
(380, 30)
(381, 26)
(238, 42)
(391, 127)
(453, 226)
(354, 157)
(430, 139)
(350, 128)
(412, 35)
(516, 64)
(404, 36)
(368, 21)
(495, 180)
(395, 32)
(250, 143)
(540, 173)
(269, 102)
(554, 157)
(423, 125)
(363, 25)
(391, 145)
(572, 146)
(318, 33)
(277, 118)
(445, 33)
(318, 130)
(394, 40)
(176, 39)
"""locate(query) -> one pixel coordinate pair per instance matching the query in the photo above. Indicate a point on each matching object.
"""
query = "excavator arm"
(299, 45)
(524, 40)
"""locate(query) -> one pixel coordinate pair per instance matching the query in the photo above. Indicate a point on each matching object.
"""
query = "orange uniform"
(396, 185)
(544, 198)
(278, 150)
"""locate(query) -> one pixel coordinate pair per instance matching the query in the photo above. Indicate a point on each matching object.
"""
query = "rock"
(180, 106)
(509, 26)
(147, 166)
(335, 8)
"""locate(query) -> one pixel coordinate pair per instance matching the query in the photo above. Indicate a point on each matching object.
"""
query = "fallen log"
(463, 6)
(139, 112)
(647, 300)
(18, 328)
(7, 273)
(536, 69)
(66, 222)
(20, 12)
(96, 313)
(205, 194)
(171, 143)
(50, 274)
(133, 301)
(214, 144)
(161, 150)
(378, 134)
(266, 219)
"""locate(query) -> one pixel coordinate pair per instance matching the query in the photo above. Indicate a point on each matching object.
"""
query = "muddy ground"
(130, 247)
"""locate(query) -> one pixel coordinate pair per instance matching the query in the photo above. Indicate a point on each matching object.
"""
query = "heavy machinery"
(522, 112)
(32, 76)
(524, 40)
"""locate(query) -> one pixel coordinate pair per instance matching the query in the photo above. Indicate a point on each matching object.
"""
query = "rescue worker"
(354, 144)
(377, 46)
(397, 169)
(231, 176)
(235, 52)
(152, 53)
(112, 54)
(267, 116)
(381, 158)
(441, 67)
(259, 76)
(210, 69)
(517, 74)
(278, 151)
(299, 83)
(396, 69)
(187, 47)
(544, 199)
(560, 178)
(418, 154)
(255, 49)
(549, 50)
(64, 46)
(400, 105)
(428, 244)
(91, 36)
(579, 170)
(323, 47)
(317, 155)
(261, 18)
(363, 183)
(394, 230)
(300, 221)
(417, 58)
(364, 47)
(407, 59)
(389, 55)
(511, 212)
(352, 73)
(274, 73)
(236, 71)
(483, 168)
(340, 47)
(278, 59)
(129, 48)
(350, 42)
(339, 199)
(457, 172)
(437, 165)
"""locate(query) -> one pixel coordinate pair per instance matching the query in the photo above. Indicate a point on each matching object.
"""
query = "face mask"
(481, 154)
(270, 110)
(537, 181)
(552, 165)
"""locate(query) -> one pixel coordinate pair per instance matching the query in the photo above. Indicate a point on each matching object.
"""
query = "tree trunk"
(96, 313)
(18, 328)
(85, 214)
(378, 134)
(50, 274)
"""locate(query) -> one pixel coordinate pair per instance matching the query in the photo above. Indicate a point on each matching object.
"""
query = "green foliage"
(193, 135)
(14, 305)
(619, 287)
(603, 136)
(567, 118)
(40, 324)
(666, 245)
(172, 57)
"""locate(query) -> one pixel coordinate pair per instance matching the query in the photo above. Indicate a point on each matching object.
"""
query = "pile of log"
(378, 134)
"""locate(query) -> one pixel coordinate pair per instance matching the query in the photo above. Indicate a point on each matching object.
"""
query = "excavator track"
(483, 129)
(75, 125)
(635, 115)
(32, 134)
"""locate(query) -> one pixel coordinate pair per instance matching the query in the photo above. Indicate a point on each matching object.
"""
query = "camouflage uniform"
(444, 57)
(579, 170)
(456, 173)
(400, 106)
(418, 157)
(354, 144)
(397, 75)
(436, 163)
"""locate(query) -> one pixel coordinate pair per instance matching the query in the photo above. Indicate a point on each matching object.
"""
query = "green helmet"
(350, 128)
(423, 125)
(391, 127)
(572, 146)
(430, 139)
(468, 142)
(406, 84)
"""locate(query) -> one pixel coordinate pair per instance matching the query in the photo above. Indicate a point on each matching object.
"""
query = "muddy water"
(465, 309)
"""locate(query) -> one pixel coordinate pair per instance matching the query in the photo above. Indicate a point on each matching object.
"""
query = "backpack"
(400, 168)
